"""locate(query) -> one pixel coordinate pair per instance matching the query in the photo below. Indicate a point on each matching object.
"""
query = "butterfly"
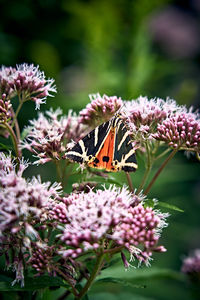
(107, 147)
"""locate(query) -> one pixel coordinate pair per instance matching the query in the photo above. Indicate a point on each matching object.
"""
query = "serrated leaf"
(31, 283)
(169, 206)
(119, 281)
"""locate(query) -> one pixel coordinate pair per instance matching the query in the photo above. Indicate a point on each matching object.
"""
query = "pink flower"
(143, 114)
(141, 227)
(21, 199)
(26, 81)
(191, 264)
(112, 215)
(47, 137)
(5, 112)
(45, 259)
(180, 131)
(6, 84)
(5, 115)
(100, 110)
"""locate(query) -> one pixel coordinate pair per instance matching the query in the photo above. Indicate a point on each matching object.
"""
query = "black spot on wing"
(106, 158)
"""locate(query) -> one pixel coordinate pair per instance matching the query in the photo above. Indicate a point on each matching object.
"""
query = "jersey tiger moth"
(107, 147)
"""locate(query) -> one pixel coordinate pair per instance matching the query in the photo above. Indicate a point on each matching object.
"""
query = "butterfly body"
(107, 147)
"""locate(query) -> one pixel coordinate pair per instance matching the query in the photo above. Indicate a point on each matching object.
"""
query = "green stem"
(114, 250)
(162, 154)
(95, 272)
(160, 170)
(17, 112)
(147, 171)
(130, 184)
(66, 176)
(73, 290)
(17, 129)
(198, 156)
(157, 143)
(59, 171)
(14, 139)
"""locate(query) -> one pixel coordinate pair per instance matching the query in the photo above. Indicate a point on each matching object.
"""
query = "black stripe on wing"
(89, 140)
(91, 143)
(124, 149)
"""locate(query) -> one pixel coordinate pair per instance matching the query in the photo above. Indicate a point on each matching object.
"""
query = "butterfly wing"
(86, 149)
(108, 147)
(124, 153)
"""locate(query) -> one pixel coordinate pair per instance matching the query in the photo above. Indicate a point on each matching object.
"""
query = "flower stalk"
(73, 290)
(160, 170)
(21, 102)
(148, 168)
(14, 139)
(98, 266)
(130, 184)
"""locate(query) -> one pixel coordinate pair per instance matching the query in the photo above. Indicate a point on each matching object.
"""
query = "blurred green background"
(124, 48)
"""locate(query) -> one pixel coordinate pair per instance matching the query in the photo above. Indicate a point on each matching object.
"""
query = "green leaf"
(140, 274)
(116, 295)
(103, 180)
(119, 281)
(113, 180)
(31, 283)
(5, 147)
(111, 263)
(170, 206)
(24, 133)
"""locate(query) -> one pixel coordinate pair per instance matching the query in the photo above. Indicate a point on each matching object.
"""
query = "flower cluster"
(48, 137)
(22, 204)
(21, 201)
(110, 215)
(6, 84)
(26, 81)
(100, 110)
(44, 259)
(141, 227)
(191, 264)
(180, 131)
(5, 115)
(5, 112)
(145, 114)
